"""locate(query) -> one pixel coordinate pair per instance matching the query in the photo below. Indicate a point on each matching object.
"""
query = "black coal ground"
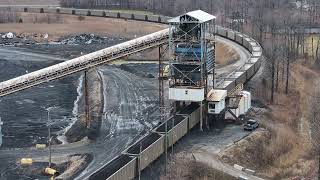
(23, 113)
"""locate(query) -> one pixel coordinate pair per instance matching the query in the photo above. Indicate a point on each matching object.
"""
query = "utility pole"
(1, 123)
(49, 131)
(288, 68)
(161, 85)
(86, 99)
(139, 165)
(49, 137)
(166, 146)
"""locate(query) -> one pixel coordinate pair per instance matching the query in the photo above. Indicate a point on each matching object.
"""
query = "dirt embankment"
(225, 55)
(184, 168)
(284, 149)
(83, 127)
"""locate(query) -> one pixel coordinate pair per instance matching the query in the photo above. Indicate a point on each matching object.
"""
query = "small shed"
(216, 101)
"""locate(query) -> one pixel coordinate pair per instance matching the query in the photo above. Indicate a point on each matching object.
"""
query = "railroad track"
(135, 159)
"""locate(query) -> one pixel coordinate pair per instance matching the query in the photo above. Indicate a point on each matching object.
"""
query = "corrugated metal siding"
(125, 15)
(165, 19)
(153, 18)
(246, 43)
(50, 10)
(82, 12)
(34, 10)
(250, 71)
(221, 31)
(111, 14)
(242, 78)
(65, 11)
(177, 132)
(151, 153)
(96, 13)
(257, 65)
(121, 167)
(239, 38)
(127, 172)
(194, 118)
(139, 17)
(231, 35)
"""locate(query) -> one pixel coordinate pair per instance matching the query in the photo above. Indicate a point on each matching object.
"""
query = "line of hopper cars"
(92, 12)
(245, 72)
(143, 152)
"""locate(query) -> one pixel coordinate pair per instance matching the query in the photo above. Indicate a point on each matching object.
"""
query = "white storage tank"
(249, 99)
(247, 96)
(242, 105)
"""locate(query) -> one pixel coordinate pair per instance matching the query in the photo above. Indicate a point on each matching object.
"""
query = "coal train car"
(121, 167)
(93, 12)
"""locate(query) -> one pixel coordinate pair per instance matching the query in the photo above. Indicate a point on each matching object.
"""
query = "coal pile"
(83, 39)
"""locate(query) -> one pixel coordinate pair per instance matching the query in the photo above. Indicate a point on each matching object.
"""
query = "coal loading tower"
(192, 62)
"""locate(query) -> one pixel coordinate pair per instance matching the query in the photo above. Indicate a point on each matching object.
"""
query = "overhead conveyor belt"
(97, 58)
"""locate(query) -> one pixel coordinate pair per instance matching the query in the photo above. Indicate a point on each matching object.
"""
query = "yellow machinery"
(50, 171)
(26, 161)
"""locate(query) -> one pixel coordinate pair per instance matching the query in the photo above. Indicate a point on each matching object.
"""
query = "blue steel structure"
(192, 47)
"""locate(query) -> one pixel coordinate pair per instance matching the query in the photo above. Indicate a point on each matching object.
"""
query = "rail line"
(143, 152)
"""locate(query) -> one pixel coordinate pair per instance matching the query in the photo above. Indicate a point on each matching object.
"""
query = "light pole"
(1, 123)
(49, 131)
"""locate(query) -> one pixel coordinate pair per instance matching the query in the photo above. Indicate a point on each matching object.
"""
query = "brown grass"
(225, 55)
(186, 169)
(71, 25)
(286, 152)
(288, 122)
